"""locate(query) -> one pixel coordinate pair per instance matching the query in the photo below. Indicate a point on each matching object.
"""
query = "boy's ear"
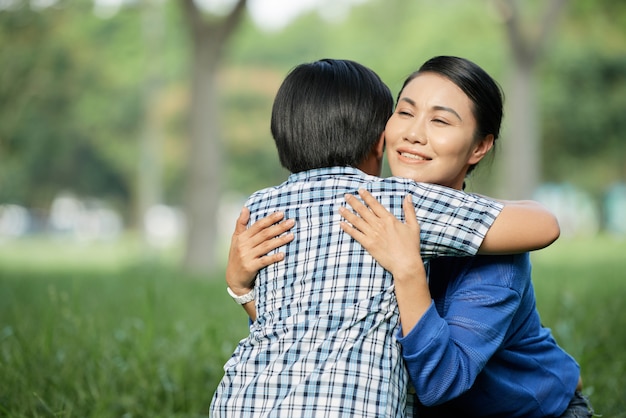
(481, 149)
(380, 146)
(373, 163)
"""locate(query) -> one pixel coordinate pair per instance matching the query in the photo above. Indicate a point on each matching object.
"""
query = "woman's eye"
(403, 113)
(440, 121)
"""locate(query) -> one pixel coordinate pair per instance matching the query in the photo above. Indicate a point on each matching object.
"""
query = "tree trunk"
(204, 167)
(521, 143)
(149, 189)
(204, 156)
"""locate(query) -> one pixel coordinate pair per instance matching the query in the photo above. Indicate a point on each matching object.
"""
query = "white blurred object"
(164, 225)
(14, 221)
(576, 211)
(87, 220)
(615, 209)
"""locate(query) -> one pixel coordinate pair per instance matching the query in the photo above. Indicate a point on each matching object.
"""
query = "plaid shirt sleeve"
(452, 222)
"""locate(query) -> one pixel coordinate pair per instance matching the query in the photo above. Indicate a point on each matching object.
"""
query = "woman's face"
(430, 136)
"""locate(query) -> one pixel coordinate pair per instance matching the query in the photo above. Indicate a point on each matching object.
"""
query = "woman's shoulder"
(511, 271)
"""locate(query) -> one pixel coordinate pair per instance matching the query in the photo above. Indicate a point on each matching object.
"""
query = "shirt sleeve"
(452, 222)
(444, 355)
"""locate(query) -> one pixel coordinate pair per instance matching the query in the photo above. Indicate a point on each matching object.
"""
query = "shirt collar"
(319, 173)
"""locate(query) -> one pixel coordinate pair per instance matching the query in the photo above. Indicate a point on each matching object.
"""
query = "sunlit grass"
(62, 253)
(581, 294)
(114, 330)
(83, 339)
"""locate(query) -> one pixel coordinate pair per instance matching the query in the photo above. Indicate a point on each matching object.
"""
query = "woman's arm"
(396, 246)
(522, 226)
(443, 354)
(249, 248)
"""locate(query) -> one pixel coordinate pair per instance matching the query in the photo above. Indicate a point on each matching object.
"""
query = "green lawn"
(111, 331)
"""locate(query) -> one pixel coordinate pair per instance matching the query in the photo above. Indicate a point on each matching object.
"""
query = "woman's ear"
(482, 147)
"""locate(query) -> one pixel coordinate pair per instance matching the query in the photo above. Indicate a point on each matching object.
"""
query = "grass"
(113, 331)
(581, 292)
(128, 340)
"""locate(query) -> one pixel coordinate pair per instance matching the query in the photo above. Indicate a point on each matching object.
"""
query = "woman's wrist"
(410, 273)
(238, 289)
(243, 298)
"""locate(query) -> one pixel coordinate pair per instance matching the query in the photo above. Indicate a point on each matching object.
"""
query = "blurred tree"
(204, 168)
(59, 128)
(521, 162)
(75, 91)
(150, 167)
(584, 124)
(584, 98)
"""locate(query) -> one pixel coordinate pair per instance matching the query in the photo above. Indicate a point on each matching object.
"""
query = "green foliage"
(71, 101)
(250, 144)
(72, 88)
(96, 332)
(583, 119)
(53, 85)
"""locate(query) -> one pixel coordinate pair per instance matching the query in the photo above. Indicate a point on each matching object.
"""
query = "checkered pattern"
(323, 344)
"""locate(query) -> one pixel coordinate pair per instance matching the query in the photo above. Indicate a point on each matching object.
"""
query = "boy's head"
(329, 113)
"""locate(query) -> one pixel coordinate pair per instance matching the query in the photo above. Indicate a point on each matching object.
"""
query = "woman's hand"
(394, 244)
(249, 248)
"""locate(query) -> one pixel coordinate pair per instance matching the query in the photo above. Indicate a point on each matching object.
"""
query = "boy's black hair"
(329, 113)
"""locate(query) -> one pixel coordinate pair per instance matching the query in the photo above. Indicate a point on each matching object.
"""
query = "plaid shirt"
(323, 344)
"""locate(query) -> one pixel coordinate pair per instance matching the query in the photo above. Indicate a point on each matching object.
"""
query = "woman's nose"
(415, 134)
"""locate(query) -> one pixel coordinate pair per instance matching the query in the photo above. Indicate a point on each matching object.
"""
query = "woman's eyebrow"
(450, 110)
(443, 108)
(409, 101)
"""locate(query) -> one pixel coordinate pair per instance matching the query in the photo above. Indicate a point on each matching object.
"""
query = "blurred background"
(150, 118)
(132, 131)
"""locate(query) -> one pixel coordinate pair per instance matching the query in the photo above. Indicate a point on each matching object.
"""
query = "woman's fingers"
(276, 238)
(349, 226)
(371, 209)
(262, 232)
(249, 247)
(410, 216)
(373, 204)
(242, 221)
(393, 243)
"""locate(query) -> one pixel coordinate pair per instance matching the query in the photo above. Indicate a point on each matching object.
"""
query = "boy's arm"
(522, 226)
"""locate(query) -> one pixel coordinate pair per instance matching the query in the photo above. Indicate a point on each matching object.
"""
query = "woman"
(471, 335)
